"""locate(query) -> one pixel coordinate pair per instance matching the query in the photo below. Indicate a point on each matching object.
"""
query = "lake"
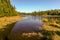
(29, 24)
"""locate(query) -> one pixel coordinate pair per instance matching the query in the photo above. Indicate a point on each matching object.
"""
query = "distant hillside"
(48, 12)
(6, 9)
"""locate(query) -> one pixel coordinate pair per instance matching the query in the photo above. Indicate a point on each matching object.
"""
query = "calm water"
(29, 24)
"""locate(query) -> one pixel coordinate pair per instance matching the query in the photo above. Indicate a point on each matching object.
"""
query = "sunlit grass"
(49, 31)
(52, 25)
(6, 25)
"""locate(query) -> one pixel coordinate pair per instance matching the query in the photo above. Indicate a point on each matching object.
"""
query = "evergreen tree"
(6, 9)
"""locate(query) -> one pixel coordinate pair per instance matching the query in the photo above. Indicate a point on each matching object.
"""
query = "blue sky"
(35, 5)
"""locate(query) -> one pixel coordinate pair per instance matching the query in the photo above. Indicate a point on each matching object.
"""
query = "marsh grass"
(53, 25)
(50, 32)
(58, 33)
(6, 25)
(4, 34)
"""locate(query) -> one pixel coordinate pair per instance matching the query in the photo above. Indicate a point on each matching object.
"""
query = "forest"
(48, 12)
(6, 9)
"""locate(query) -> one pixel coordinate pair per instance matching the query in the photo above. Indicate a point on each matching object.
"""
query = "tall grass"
(4, 34)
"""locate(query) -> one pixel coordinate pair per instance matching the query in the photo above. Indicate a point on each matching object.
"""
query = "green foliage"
(6, 9)
(46, 33)
(49, 12)
(40, 13)
(58, 33)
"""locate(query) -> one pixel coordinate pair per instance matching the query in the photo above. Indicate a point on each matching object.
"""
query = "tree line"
(48, 12)
(6, 9)
(40, 13)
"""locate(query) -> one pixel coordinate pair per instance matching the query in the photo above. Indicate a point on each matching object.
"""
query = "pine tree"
(6, 9)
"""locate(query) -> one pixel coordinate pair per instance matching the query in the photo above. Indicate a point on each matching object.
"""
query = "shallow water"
(29, 24)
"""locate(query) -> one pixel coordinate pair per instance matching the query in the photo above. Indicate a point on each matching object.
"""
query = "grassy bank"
(49, 31)
(6, 24)
(51, 28)
(8, 20)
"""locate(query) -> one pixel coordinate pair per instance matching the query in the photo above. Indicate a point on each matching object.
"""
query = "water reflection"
(30, 24)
